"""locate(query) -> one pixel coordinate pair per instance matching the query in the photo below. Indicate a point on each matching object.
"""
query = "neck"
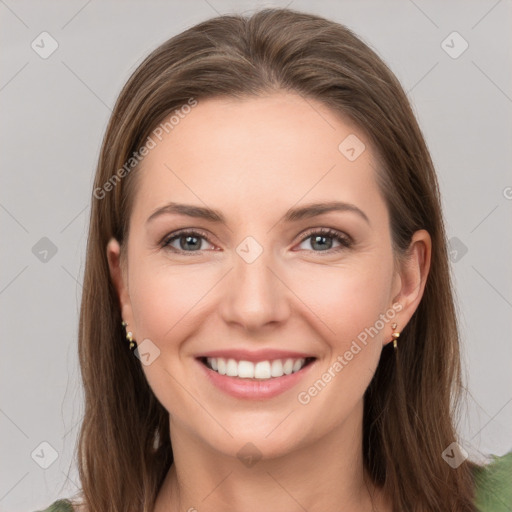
(326, 475)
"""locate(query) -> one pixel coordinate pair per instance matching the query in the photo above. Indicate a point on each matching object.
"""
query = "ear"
(409, 282)
(119, 276)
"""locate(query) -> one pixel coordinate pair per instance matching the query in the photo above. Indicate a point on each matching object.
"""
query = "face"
(261, 281)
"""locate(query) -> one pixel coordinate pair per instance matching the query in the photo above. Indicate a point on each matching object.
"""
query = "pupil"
(188, 239)
(322, 238)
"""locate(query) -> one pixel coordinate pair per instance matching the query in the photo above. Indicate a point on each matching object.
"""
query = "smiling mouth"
(261, 370)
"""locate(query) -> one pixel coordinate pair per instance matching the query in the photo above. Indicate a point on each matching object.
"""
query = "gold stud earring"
(395, 335)
(129, 335)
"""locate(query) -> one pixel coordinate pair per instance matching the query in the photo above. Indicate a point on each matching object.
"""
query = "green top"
(59, 506)
(493, 488)
(494, 485)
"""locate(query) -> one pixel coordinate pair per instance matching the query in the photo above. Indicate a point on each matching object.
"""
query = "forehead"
(256, 153)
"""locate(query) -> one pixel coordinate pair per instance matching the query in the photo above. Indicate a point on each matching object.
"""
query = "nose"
(256, 295)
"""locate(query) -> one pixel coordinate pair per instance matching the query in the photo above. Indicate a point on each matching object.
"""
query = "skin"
(253, 159)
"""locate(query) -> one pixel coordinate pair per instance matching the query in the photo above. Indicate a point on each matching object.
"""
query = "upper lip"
(255, 355)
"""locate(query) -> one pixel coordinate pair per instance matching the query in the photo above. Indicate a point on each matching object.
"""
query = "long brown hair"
(124, 450)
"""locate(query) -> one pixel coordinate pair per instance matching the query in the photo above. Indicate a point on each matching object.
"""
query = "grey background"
(54, 113)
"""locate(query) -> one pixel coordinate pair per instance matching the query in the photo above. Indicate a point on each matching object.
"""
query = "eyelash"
(344, 240)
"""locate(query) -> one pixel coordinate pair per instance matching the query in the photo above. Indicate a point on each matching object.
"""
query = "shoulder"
(493, 485)
(59, 506)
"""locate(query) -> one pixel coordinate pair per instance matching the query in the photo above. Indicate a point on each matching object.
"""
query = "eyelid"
(327, 231)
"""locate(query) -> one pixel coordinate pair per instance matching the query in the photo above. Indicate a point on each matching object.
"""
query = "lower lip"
(253, 388)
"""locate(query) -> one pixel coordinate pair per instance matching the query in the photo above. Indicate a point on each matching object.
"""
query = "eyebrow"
(292, 215)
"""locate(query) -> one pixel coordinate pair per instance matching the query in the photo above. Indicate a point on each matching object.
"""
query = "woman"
(267, 319)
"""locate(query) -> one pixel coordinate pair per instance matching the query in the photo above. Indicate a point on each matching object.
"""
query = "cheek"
(165, 302)
(351, 307)
(347, 300)
(163, 297)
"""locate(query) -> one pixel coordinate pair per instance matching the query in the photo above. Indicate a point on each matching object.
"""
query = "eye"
(188, 241)
(322, 240)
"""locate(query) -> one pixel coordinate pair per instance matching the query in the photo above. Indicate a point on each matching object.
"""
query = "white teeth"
(232, 368)
(221, 366)
(276, 369)
(260, 370)
(245, 370)
(297, 365)
(288, 366)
